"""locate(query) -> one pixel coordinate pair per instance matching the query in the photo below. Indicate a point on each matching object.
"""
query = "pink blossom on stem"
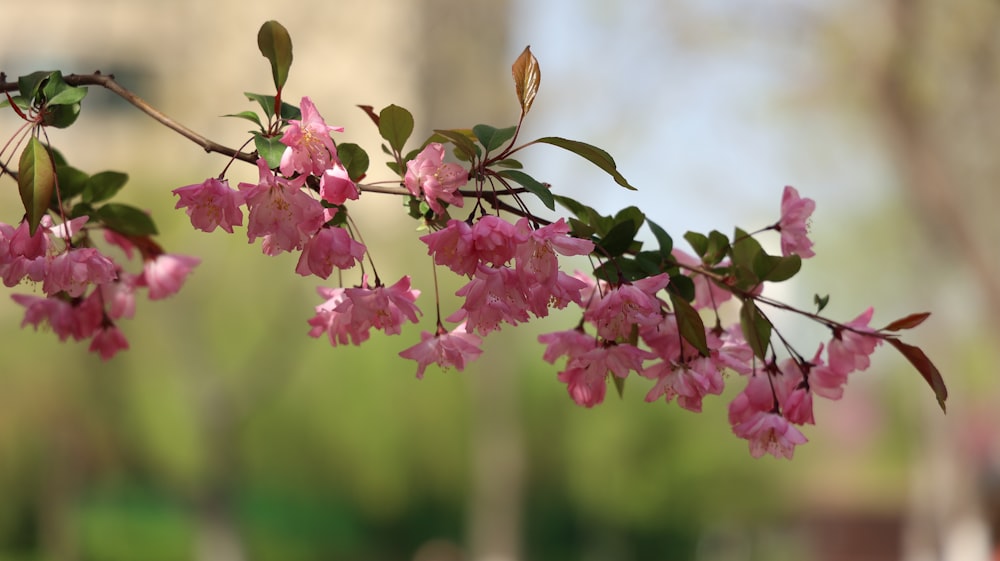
(75, 269)
(627, 305)
(349, 314)
(165, 274)
(495, 241)
(336, 187)
(536, 256)
(794, 224)
(427, 175)
(211, 204)
(453, 247)
(329, 248)
(689, 381)
(280, 212)
(310, 149)
(770, 433)
(108, 341)
(492, 296)
(793, 393)
(444, 348)
(850, 348)
(119, 295)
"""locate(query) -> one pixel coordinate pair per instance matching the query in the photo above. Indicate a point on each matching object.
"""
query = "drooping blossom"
(850, 348)
(429, 176)
(535, 256)
(108, 341)
(76, 269)
(165, 274)
(689, 381)
(310, 149)
(620, 308)
(211, 204)
(770, 433)
(329, 248)
(589, 363)
(492, 296)
(336, 187)
(280, 211)
(119, 296)
(348, 314)
(794, 223)
(77, 319)
(445, 348)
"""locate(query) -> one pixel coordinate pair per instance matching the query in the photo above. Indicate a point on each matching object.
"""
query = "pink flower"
(211, 204)
(72, 271)
(165, 274)
(793, 393)
(689, 382)
(427, 175)
(622, 307)
(769, 433)
(850, 348)
(119, 295)
(495, 240)
(329, 248)
(453, 247)
(108, 341)
(280, 212)
(491, 297)
(78, 320)
(794, 224)
(349, 314)
(446, 349)
(536, 256)
(310, 149)
(335, 185)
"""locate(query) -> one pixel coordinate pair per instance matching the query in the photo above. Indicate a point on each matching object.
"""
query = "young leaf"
(540, 190)
(29, 84)
(36, 180)
(909, 322)
(58, 92)
(395, 124)
(71, 181)
(698, 242)
(266, 103)
(598, 157)
(370, 111)
(527, 78)
(775, 268)
(102, 186)
(926, 368)
(276, 45)
(60, 116)
(126, 219)
(617, 241)
(821, 302)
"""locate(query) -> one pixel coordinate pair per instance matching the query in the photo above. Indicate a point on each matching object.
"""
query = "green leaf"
(276, 45)
(508, 163)
(60, 116)
(36, 180)
(270, 148)
(58, 92)
(682, 286)
(619, 386)
(71, 182)
(249, 116)
(126, 219)
(698, 242)
(662, 238)
(689, 323)
(718, 248)
(395, 124)
(463, 144)
(30, 84)
(540, 190)
(354, 158)
(617, 241)
(775, 268)
(492, 138)
(756, 328)
(821, 302)
(102, 186)
(266, 103)
(595, 155)
(926, 368)
(745, 250)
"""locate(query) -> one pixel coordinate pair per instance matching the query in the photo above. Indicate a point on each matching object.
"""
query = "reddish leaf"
(909, 322)
(527, 77)
(926, 368)
(370, 111)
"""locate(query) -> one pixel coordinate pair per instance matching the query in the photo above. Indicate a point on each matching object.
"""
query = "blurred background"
(227, 434)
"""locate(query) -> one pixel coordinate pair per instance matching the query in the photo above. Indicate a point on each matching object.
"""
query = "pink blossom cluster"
(86, 291)
(635, 331)
(281, 208)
